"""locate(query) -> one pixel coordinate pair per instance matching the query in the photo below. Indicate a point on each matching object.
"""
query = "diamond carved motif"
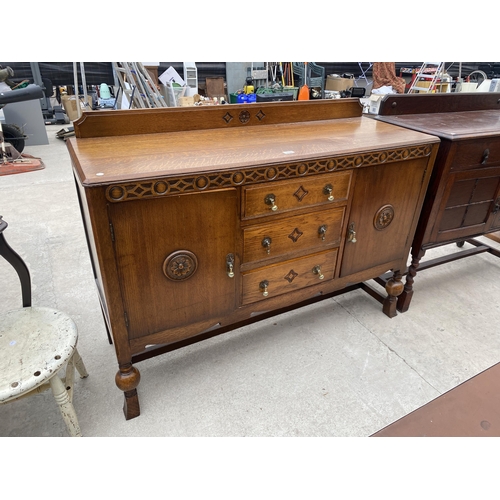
(301, 193)
(291, 275)
(227, 117)
(295, 235)
(260, 115)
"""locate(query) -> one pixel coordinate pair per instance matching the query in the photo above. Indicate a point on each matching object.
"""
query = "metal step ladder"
(138, 86)
(426, 81)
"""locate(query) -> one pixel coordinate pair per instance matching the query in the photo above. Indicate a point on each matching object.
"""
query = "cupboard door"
(383, 214)
(171, 259)
(468, 205)
(494, 222)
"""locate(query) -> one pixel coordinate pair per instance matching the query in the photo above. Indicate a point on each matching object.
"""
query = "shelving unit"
(191, 78)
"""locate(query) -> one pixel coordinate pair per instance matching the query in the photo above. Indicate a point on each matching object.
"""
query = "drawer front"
(476, 154)
(284, 196)
(294, 234)
(288, 276)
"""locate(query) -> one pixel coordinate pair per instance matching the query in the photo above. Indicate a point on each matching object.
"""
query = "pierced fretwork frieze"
(216, 180)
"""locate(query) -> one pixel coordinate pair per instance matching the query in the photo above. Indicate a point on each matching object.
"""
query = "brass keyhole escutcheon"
(270, 199)
(266, 243)
(263, 287)
(351, 234)
(322, 231)
(317, 270)
(328, 191)
(230, 265)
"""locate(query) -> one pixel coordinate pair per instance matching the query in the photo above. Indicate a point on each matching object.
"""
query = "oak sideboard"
(203, 219)
(463, 199)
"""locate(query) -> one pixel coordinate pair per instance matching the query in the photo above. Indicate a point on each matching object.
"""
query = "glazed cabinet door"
(171, 255)
(384, 209)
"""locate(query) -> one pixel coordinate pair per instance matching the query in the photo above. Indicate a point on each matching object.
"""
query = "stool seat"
(35, 343)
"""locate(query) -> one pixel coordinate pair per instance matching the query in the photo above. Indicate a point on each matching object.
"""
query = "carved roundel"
(383, 217)
(180, 265)
(244, 117)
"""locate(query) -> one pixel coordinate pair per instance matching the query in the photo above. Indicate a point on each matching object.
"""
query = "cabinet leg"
(127, 379)
(393, 287)
(405, 298)
(131, 407)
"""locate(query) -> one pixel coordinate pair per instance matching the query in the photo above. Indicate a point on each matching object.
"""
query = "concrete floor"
(339, 368)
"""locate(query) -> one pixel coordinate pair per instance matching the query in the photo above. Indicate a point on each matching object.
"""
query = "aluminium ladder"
(138, 86)
(425, 81)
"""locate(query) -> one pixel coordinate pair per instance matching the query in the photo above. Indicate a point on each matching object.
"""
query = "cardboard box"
(439, 87)
(186, 101)
(375, 100)
(338, 83)
(69, 104)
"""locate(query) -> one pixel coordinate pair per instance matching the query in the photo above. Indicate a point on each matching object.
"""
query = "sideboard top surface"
(451, 126)
(104, 160)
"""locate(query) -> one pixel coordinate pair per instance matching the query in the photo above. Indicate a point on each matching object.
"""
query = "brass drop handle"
(266, 243)
(486, 155)
(317, 270)
(230, 265)
(263, 286)
(270, 199)
(351, 234)
(328, 190)
(322, 231)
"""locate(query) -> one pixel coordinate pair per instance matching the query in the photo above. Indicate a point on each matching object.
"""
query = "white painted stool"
(36, 343)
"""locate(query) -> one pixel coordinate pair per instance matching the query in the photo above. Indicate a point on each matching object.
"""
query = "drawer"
(476, 154)
(294, 234)
(284, 196)
(274, 280)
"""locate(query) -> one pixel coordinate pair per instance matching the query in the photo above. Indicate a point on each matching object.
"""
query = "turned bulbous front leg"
(127, 379)
(393, 287)
(405, 298)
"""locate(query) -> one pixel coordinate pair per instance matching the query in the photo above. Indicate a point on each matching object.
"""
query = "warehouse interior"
(336, 368)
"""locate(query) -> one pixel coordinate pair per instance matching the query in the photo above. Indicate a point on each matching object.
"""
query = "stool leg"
(65, 406)
(79, 364)
(69, 379)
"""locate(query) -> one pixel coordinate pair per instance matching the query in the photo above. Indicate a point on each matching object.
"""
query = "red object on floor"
(19, 167)
(471, 409)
